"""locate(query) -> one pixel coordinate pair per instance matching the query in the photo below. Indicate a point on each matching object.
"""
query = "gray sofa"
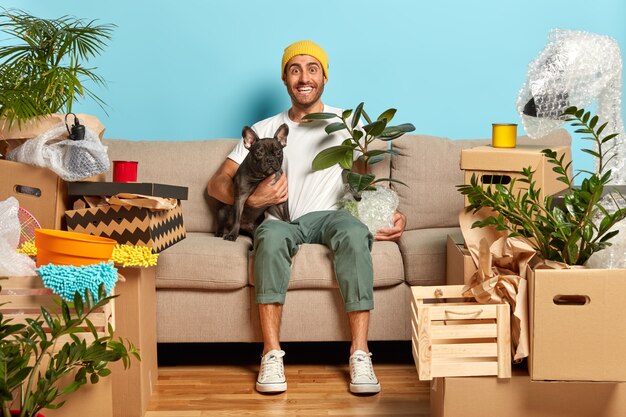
(204, 289)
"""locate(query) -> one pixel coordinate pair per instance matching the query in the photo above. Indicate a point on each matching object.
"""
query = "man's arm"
(395, 231)
(266, 194)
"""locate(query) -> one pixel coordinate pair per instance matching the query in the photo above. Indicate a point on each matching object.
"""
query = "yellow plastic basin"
(59, 247)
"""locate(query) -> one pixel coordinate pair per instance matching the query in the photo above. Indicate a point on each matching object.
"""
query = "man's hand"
(393, 233)
(268, 194)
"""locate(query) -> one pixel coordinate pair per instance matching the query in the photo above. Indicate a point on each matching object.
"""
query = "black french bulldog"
(265, 157)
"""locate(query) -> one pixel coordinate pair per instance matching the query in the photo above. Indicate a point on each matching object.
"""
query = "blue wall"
(198, 69)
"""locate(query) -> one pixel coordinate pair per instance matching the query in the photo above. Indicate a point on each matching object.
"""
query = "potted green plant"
(45, 71)
(569, 227)
(359, 139)
(35, 362)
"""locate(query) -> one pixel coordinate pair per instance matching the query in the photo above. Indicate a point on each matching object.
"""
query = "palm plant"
(45, 71)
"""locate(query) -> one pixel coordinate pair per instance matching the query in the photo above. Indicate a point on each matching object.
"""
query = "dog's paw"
(219, 234)
(230, 237)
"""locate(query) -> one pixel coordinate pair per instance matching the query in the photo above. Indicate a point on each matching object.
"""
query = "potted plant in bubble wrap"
(374, 205)
(45, 71)
(567, 228)
(38, 366)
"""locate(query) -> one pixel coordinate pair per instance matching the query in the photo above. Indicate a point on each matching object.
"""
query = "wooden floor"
(212, 381)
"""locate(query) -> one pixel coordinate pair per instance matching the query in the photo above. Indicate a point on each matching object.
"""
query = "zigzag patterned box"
(130, 225)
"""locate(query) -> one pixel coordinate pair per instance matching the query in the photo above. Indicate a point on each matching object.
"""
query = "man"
(314, 219)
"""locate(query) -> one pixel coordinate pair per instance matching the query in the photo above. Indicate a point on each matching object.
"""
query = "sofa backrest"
(431, 167)
(190, 164)
(186, 163)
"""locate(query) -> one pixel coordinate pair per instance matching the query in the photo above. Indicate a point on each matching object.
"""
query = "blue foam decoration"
(65, 280)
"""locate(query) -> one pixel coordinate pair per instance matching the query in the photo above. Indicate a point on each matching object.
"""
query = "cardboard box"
(452, 336)
(12, 137)
(38, 190)
(136, 321)
(130, 225)
(459, 263)
(22, 298)
(521, 397)
(83, 188)
(501, 165)
(577, 326)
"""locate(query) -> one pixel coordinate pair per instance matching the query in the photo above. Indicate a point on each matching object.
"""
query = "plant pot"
(375, 209)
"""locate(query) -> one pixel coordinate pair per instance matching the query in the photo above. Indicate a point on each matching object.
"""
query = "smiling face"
(304, 79)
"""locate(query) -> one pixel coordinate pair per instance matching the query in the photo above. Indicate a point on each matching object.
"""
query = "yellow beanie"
(305, 48)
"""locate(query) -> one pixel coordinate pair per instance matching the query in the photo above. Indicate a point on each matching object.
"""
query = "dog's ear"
(281, 134)
(249, 137)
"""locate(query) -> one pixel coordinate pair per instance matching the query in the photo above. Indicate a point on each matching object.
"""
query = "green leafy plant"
(360, 137)
(569, 227)
(44, 72)
(34, 359)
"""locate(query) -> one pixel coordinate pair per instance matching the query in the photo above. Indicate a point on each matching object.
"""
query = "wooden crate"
(458, 337)
(21, 298)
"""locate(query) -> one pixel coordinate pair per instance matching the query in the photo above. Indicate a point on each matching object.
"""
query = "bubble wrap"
(375, 209)
(577, 69)
(11, 262)
(72, 160)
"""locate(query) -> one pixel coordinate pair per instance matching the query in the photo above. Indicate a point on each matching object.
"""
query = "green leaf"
(357, 115)
(387, 115)
(47, 317)
(609, 137)
(319, 116)
(78, 304)
(591, 152)
(331, 156)
(65, 310)
(346, 161)
(359, 182)
(375, 128)
(366, 117)
(346, 115)
(375, 159)
(334, 127)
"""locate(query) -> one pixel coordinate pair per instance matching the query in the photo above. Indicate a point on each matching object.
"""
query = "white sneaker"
(363, 378)
(271, 377)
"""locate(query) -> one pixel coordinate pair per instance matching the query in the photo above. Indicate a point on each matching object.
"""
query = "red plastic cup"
(125, 171)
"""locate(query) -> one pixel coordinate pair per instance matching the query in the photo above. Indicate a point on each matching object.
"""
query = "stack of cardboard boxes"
(577, 331)
(41, 192)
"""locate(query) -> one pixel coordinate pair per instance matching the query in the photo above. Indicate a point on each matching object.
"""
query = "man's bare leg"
(362, 377)
(271, 379)
(359, 325)
(270, 316)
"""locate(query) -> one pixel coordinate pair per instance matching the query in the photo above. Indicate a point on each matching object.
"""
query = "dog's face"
(266, 155)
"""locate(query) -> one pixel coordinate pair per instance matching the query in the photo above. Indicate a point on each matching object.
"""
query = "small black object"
(530, 109)
(78, 130)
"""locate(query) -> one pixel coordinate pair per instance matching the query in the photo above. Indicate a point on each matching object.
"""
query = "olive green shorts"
(276, 242)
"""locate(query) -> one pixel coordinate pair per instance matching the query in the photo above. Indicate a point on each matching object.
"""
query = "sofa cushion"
(186, 163)
(431, 168)
(312, 267)
(424, 255)
(203, 261)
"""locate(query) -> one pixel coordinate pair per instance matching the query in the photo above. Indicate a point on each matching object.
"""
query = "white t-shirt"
(309, 190)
